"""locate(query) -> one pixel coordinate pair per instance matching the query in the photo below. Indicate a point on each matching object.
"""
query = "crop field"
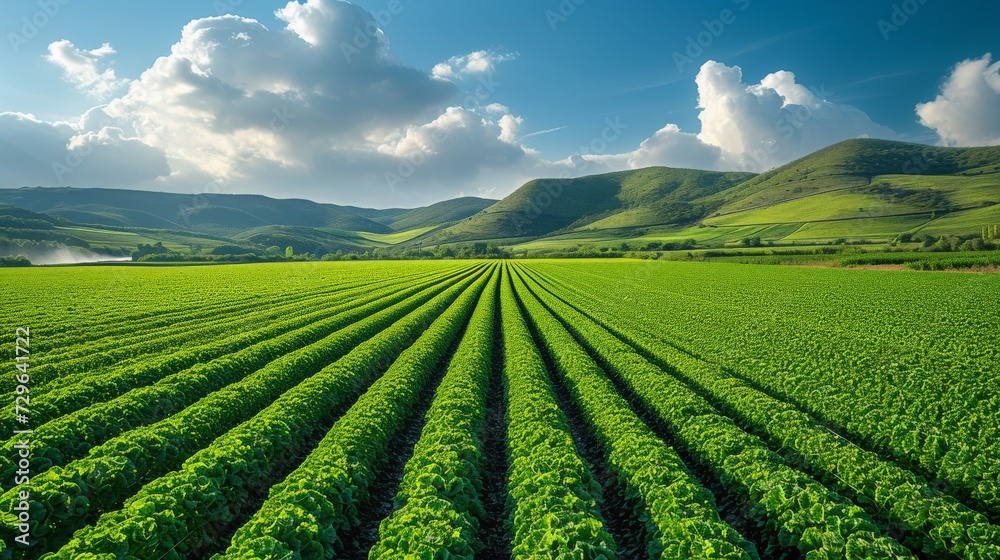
(499, 409)
(115, 239)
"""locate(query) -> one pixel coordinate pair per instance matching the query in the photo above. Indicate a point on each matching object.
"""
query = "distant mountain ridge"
(226, 214)
(443, 212)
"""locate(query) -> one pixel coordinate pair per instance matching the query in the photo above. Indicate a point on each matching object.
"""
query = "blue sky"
(561, 74)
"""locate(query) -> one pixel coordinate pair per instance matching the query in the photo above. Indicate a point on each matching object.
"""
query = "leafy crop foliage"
(550, 409)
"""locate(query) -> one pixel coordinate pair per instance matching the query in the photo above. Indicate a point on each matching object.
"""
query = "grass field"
(838, 205)
(969, 222)
(642, 236)
(960, 190)
(873, 229)
(398, 237)
(101, 238)
(570, 409)
(707, 236)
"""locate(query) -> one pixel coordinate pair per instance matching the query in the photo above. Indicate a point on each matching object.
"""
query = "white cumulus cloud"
(670, 147)
(93, 152)
(472, 64)
(967, 111)
(318, 104)
(461, 147)
(234, 95)
(510, 126)
(86, 69)
(753, 127)
(773, 122)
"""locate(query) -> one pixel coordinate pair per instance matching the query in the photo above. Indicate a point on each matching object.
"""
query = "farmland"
(500, 409)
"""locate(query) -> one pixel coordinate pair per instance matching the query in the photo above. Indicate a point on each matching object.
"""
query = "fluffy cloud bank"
(967, 111)
(85, 69)
(89, 152)
(288, 98)
(754, 127)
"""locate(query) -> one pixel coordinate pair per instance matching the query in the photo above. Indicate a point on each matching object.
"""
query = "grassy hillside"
(655, 195)
(15, 217)
(82, 225)
(861, 190)
(441, 213)
(306, 240)
(871, 189)
(115, 240)
(214, 213)
(45, 238)
(856, 163)
(228, 214)
(396, 238)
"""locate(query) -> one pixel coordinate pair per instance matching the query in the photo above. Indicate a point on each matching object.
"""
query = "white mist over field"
(70, 256)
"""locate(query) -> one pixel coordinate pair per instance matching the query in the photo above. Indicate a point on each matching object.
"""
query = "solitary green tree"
(289, 252)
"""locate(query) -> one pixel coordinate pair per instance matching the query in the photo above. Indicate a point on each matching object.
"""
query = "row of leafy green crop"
(924, 261)
(800, 512)
(109, 343)
(190, 511)
(901, 364)
(90, 310)
(931, 522)
(312, 510)
(64, 497)
(71, 436)
(70, 307)
(232, 302)
(98, 315)
(70, 373)
(438, 509)
(955, 263)
(553, 497)
(681, 517)
(69, 393)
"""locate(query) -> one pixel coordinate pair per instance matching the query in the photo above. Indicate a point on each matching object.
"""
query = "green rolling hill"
(307, 240)
(86, 224)
(871, 189)
(441, 213)
(856, 163)
(47, 239)
(624, 199)
(223, 214)
(860, 189)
